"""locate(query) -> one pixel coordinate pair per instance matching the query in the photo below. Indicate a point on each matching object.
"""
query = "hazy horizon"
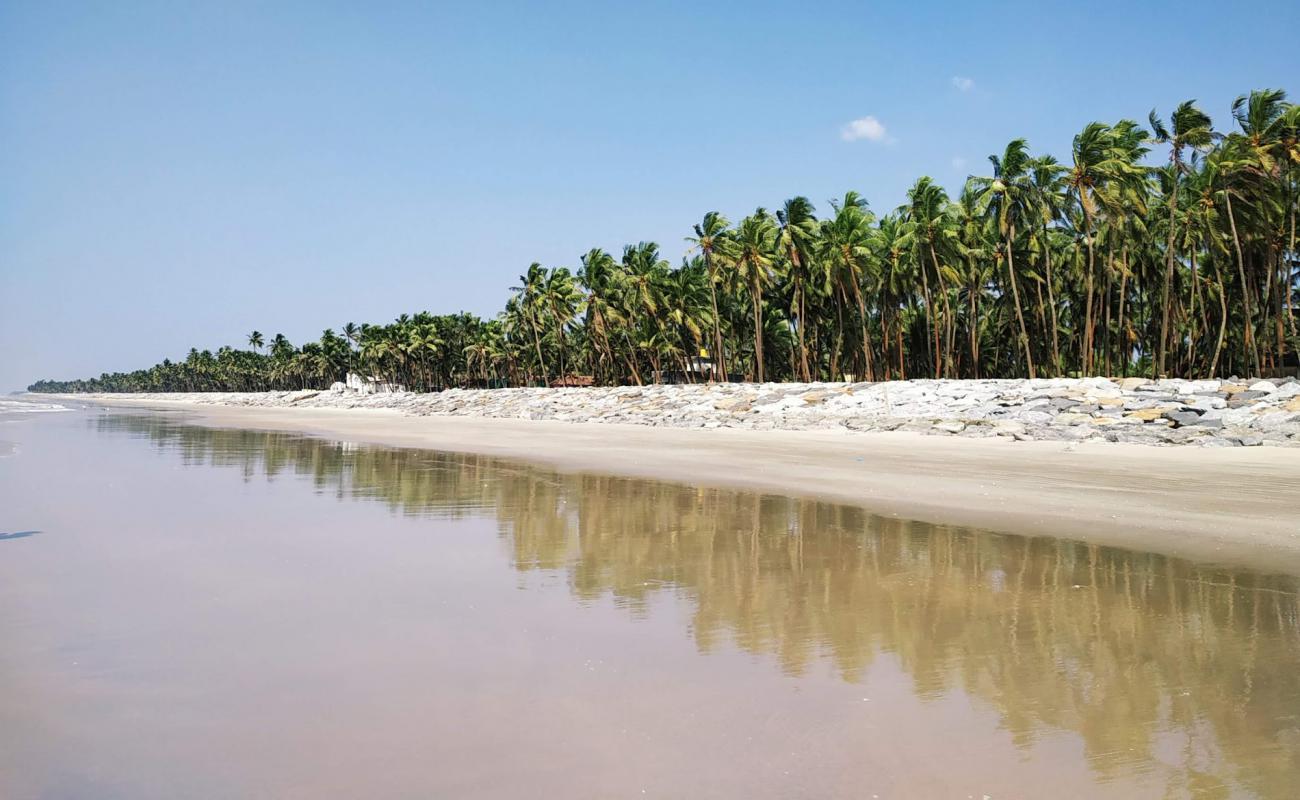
(177, 177)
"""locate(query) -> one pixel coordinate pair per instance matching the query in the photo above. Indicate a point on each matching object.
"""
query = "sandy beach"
(1229, 505)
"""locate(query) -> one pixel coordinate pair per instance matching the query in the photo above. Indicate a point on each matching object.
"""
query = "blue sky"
(177, 174)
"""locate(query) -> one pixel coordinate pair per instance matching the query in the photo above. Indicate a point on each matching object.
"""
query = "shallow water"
(198, 612)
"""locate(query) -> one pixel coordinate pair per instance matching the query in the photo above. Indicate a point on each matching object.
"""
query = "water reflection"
(1158, 664)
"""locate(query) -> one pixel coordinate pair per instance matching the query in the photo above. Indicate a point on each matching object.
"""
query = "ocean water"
(210, 613)
(10, 406)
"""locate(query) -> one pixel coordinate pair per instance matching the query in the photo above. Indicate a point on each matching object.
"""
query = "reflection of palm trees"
(1133, 652)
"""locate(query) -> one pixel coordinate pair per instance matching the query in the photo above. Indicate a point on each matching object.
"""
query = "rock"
(1274, 419)
(1239, 399)
(1165, 412)
(1184, 419)
(736, 405)
(1007, 428)
(1068, 418)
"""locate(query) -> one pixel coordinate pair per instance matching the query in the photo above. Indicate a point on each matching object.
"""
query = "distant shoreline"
(1224, 505)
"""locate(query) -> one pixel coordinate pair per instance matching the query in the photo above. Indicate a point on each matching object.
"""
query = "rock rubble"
(1211, 413)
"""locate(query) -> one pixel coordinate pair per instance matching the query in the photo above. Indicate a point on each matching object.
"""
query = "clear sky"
(180, 173)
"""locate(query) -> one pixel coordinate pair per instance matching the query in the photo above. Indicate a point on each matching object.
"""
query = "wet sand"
(212, 612)
(1233, 506)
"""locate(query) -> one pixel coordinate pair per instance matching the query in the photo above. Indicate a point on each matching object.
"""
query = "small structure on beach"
(699, 369)
(360, 384)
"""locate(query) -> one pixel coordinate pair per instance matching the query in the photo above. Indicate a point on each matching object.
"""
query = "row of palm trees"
(1100, 264)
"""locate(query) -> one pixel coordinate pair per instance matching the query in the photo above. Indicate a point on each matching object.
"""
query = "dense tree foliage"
(1100, 264)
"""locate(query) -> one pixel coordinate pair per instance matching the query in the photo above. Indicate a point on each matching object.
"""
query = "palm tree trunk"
(1223, 319)
(1051, 304)
(1169, 268)
(866, 333)
(1106, 347)
(1015, 294)
(1282, 285)
(757, 295)
(1245, 290)
(947, 315)
(803, 346)
(1042, 313)
(1193, 332)
(1123, 311)
(1086, 355)
(537, 340)
(931, 347)
(559, 322)
(720, 355)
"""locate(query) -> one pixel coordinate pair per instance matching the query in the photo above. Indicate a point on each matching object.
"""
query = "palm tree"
(530, 291)
(1006, 196)
(561, 298)
(751, 265)
(930, 216)
(601, 279)
(686, 308)
(1189, 127)
(1047, 192)
(845, 249)
(796, 239)
(713, 240)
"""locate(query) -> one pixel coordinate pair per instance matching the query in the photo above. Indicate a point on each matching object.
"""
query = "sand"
(1235, 506)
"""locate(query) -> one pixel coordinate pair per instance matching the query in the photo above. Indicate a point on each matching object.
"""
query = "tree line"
(1101, 264)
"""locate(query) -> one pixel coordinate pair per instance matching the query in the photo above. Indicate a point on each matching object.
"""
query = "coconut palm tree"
(795, 241)
(1006, 196)
(1189, 128)
(751, 266)
(845, 252)
(712, 238)
(561, 298)
(529, 296)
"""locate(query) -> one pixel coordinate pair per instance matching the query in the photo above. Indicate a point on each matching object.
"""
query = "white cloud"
(963, 84)
(868, 128)
(958, 162)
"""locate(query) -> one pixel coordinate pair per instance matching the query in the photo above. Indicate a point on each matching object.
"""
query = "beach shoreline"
(1235, 506)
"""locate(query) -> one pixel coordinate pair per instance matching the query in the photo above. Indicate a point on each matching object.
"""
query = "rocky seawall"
(1213, 413)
